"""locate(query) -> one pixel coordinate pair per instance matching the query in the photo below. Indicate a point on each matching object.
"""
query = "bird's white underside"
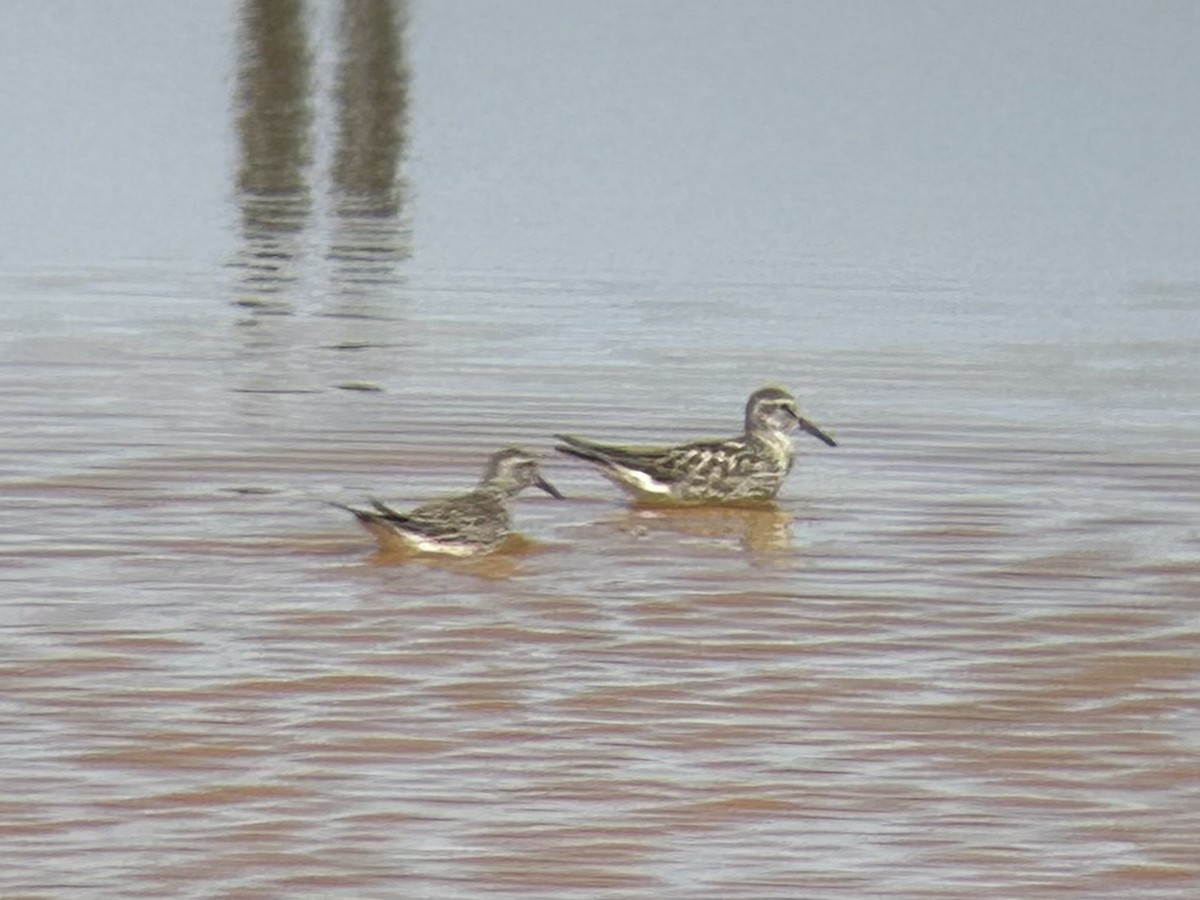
(643, 482)
(423, 545)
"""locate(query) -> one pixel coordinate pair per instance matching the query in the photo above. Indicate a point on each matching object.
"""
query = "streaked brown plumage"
(747, 468)
(466, 525)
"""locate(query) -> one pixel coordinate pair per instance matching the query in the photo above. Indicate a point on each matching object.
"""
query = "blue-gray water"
(960, 657)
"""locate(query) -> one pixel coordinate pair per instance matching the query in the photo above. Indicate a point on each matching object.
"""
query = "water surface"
(957, 658)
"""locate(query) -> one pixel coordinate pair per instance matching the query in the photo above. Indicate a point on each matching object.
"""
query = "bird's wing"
(664, 464)
(445, 518)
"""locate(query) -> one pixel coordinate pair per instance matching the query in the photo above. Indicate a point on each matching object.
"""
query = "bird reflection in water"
(504, 562)
(759, 529)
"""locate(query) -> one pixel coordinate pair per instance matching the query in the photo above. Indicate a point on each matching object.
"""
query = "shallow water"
(958, 658)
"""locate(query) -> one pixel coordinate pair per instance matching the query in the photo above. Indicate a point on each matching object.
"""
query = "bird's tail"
(580, 449)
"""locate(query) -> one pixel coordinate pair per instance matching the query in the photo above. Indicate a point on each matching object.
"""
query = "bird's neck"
(500, 489)
(780, 442)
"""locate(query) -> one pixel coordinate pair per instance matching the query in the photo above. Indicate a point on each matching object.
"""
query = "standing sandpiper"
(747, 468)
(466, 525)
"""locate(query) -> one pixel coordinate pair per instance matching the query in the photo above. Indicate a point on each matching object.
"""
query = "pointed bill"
(815, 431)
(548, 488)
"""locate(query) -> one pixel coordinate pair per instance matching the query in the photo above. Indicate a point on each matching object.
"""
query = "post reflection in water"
(301, 212)
(372, 96)
(273, 122)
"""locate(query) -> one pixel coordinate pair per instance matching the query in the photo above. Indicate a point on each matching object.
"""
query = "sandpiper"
(747, 468)
(466, 525)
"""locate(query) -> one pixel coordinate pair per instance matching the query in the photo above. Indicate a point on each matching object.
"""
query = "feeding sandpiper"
(466, 525)
(747, 468)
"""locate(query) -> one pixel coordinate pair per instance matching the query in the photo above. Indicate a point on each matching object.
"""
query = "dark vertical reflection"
(273, 123)
(372, 117)
(322, 115)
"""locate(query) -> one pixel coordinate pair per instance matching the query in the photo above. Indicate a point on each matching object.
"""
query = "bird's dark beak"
(548, 488)
(815, 431)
